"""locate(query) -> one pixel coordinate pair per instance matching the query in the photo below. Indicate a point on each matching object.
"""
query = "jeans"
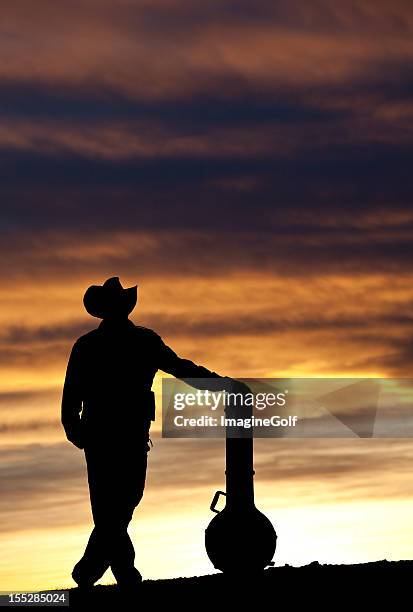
(116, 477)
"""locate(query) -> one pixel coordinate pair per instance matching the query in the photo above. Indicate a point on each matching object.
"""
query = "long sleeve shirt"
(110, 373)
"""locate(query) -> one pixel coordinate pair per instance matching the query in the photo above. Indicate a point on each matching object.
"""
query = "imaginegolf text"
(247, 423)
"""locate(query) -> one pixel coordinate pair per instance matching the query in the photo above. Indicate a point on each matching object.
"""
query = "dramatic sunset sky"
(249, 165)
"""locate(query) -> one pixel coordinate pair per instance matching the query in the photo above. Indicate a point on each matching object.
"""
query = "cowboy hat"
(110, 299)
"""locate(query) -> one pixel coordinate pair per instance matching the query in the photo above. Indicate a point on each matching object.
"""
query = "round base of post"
(240, 542)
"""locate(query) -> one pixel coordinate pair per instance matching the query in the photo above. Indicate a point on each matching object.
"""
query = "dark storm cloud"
(319, 16)
(223, 137)
(66, 192)
(261, 323)
(300, 249)
(388, 336)
(23, 335)
(237, 103)
(265, 323)
(196, 114)
(335, 150)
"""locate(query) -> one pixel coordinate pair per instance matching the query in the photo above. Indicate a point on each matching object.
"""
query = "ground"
(323, 586)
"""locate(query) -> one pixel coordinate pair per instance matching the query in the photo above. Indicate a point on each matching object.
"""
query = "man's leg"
(94, 562)
(95, 559)
(122, 553)
(116, 479)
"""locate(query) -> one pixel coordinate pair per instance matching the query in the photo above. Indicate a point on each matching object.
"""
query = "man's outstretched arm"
(72, 398)
(185, 369)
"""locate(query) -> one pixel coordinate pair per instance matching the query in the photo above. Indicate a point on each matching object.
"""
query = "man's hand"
(236, 386)
(238, 407)
(241, 387)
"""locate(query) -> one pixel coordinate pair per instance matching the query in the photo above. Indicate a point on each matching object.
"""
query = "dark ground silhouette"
(318, 586)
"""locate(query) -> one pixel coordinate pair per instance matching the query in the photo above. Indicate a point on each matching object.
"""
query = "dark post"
(239, 539)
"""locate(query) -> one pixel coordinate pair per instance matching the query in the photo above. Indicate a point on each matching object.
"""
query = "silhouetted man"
(107, 409)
